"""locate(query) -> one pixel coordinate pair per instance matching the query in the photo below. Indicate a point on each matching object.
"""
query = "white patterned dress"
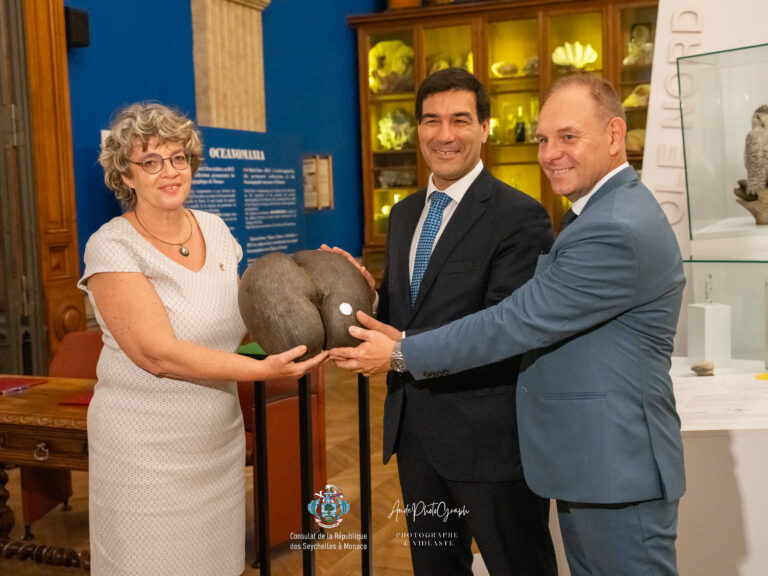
(167, 457)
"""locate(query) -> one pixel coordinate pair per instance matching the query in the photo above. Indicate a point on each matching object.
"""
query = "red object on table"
(8, 385)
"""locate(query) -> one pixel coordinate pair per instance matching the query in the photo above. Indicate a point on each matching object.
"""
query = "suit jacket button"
(523, 389)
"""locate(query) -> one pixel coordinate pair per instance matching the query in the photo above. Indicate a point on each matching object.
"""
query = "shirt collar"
(457, 190)
(579, 204)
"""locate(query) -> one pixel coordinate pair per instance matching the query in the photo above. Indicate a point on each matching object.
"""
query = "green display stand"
(251, 349)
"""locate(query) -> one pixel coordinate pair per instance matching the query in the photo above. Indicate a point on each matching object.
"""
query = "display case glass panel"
(743, 286)
(383, 200)
(390, 63)
(576, 43)
(524, 177)
(448, 46)
(393, 172)
(394, 143)
(725, 142)
(513, 54)
(638, 30)
(393, 125)
(513, 83)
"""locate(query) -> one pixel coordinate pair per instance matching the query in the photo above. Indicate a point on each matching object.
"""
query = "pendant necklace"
(183, 250)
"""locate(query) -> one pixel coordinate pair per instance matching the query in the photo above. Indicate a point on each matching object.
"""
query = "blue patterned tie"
(428, 232)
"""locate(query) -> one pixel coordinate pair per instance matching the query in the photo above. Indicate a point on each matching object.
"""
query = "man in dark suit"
(596, 409)
(456, 437)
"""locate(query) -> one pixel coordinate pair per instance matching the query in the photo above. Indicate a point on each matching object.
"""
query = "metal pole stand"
(260, 476)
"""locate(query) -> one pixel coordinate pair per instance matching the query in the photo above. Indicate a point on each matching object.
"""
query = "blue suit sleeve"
(590, 277)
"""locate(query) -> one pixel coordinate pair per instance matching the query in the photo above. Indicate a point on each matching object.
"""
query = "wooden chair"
(42, 489)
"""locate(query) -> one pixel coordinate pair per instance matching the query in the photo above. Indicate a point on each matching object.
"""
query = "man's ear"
(617, 129)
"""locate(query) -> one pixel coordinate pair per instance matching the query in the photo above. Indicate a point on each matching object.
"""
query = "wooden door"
(40, 301)
(22, 348)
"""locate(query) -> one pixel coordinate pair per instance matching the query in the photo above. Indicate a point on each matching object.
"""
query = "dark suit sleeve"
(592, 278)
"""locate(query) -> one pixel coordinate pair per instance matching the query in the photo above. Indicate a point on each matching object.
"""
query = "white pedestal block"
(765, 334)
(709, 333)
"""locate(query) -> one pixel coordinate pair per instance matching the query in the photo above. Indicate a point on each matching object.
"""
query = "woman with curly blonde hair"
(165, 430)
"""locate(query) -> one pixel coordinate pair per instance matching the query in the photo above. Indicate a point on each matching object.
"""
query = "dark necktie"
(438, 202)
(568, 217)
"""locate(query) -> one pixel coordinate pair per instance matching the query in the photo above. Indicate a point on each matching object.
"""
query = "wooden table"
(36, 430)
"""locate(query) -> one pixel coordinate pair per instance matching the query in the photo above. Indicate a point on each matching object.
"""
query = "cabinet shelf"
(394, 158)
(393, 97)
(635, 74)
(513, 85)
(403, 168)
(517, 145)
(558, 71)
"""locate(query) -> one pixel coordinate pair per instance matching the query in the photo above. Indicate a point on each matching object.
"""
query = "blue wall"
(142, 50)
(310, 72)
(134, 55)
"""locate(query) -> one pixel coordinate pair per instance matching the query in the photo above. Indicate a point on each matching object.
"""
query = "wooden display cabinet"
(509, 46)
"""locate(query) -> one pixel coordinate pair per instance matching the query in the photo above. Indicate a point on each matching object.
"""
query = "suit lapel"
(618, 180)
(467, 212)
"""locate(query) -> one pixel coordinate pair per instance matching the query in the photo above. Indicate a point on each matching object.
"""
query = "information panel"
(252, 181)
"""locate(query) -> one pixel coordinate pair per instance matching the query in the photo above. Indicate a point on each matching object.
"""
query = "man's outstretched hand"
(373, 354)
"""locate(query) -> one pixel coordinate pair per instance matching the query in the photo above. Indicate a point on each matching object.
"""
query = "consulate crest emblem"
(329, 507)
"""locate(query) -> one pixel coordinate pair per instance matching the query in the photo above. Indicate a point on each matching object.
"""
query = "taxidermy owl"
(756, 155)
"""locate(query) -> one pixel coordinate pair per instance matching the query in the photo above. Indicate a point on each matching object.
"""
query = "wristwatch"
(396, 360)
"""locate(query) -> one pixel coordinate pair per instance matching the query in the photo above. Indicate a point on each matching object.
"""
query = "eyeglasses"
(153, 163)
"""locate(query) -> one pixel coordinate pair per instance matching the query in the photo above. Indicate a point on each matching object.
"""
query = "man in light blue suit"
(595, 406)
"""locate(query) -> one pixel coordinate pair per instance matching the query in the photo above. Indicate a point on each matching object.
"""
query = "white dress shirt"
(456, 192)
(578, 206)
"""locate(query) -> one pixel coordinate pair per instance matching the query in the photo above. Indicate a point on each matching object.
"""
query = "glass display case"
(724, 113)
(575, 44)
(513, 84)
(448, 46)
(743, 288)
(638, 31)
(392, 131)
(723, 97)
(517, 50)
